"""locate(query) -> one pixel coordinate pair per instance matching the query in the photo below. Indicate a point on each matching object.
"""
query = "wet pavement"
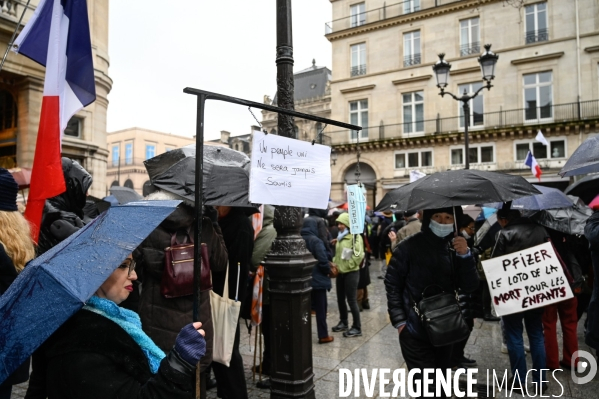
(378, 347)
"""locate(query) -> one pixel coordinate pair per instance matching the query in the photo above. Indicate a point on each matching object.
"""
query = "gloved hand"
(211, 213)
(190, 343)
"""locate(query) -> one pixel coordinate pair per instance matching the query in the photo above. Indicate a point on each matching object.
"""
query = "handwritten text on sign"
(289, 172)
(527, 279)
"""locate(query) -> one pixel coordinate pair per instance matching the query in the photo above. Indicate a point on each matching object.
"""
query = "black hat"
(8, 191)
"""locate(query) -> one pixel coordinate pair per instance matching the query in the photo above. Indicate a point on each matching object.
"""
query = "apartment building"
(546, 78)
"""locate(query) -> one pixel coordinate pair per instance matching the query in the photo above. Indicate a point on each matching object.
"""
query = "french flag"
(57, 37)
(531, 162)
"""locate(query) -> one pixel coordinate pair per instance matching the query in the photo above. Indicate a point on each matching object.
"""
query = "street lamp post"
(487, 62)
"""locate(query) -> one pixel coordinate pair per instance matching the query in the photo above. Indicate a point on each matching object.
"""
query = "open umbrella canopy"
(22, 176)
(585, 159)
(57, 284)
(457, 187)
(225, 175)
(586, 188)
(569, 220)
(124, 195)
(550, 198)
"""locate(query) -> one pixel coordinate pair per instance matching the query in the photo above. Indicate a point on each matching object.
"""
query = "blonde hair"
(15, 237)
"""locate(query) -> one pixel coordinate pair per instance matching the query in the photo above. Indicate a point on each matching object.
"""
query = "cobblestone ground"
(379, 348)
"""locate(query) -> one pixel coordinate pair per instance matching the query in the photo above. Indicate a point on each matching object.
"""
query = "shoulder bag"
(225, 316)
(177, 275)
(441, 315)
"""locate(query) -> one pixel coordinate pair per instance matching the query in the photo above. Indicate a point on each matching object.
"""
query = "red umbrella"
(22, 176)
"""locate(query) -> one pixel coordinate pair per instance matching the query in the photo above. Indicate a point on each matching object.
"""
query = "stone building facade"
(129, 148)
(21, 92)
(547, 78)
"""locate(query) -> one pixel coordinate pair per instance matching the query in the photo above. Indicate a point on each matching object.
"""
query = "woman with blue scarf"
(102, 352)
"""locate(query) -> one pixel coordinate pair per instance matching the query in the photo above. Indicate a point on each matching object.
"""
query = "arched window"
(114, 183)
(295, 132)
(273, 131)
(8, 111)
(129, 184)
(147, 188)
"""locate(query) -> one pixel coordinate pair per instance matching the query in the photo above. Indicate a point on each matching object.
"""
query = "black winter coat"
(320, 272)
(8, 274)
(591, 232)
(91, 357)
(419, 261)
(162, 318)
(519, 234)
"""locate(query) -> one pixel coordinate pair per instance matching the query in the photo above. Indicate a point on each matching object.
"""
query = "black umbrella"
(124, 195)
(457, 187)
(586, 188)
(584, 160)
(226, 175)
(569, 220)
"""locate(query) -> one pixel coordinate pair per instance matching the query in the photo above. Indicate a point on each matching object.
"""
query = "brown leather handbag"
(177, 275)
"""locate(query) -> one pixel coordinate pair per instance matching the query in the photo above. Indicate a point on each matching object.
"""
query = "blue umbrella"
(585, 159)
(550, 198)
(57, 284)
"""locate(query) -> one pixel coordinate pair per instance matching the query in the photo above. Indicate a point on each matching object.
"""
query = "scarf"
(130, 322)
(341, 235)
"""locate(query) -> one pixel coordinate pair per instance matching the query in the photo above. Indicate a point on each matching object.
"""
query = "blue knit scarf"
(130, 322)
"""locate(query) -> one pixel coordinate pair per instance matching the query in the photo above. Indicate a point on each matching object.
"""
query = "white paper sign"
(289, 172)
(415, 175)
(527, 279)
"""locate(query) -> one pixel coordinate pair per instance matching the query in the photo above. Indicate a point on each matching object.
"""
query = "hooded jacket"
(262, 246)
(162, 318)
(320, 271)
(591, 232)
(63, 214)
(420, 261)
(353, 242)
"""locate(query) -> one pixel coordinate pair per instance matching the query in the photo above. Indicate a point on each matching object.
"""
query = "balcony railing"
(411, 60)
(358, 70)
(383, 13)
(469, 49)
(491, 120)
(541, 35)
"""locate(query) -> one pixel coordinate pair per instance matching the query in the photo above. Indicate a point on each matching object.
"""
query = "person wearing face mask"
(436, 256)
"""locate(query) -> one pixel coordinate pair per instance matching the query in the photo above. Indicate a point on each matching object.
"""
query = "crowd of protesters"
(416, 249)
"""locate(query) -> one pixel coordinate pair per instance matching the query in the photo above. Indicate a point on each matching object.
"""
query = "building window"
(358, 59)
(414, 159)
(410, 6)
(413, 112)
(469, 37)
(538, 96)
(357, 14)
(536, 23)
(115, 155)
(477, 155)
(8, 111)
(358, 115)
(411, 48)
(555, 150)
(128, 153)
(150, 151)
(476, 105)
(129, 184)
(74, 127)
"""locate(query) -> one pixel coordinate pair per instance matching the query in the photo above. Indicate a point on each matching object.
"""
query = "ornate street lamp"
(333, 156)
(487, 62)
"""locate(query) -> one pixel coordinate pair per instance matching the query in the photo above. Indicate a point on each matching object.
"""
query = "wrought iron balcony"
(386, 12)
(358, 70)
(553, 113)
(469, 49)
(533, 36)
(410, 60)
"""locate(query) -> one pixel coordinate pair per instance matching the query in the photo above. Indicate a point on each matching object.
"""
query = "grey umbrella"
(584, 160)
(124, 195)
(586, 188)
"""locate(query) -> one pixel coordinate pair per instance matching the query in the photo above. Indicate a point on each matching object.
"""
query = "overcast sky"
(157, 48)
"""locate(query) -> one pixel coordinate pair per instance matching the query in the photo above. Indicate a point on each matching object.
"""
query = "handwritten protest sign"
(289, 172)
(527, 279)
(356, 207)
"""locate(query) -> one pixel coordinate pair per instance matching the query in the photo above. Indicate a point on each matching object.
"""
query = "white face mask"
(466, 235)
(441, 230)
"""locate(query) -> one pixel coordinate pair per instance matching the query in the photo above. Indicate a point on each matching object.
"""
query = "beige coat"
(409, 229)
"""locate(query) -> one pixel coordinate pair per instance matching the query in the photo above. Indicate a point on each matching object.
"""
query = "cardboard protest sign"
(356, 207)
(289, 172)
(527, 279)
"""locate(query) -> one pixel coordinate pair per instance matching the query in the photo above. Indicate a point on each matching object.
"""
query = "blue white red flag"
(531, 162)
(57, 36)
